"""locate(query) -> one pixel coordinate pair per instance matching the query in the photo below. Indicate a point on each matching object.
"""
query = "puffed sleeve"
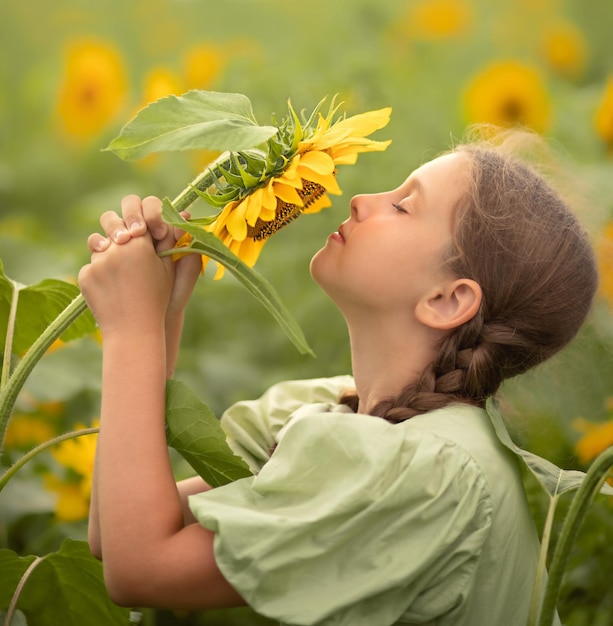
(252, 426)
(353, 521)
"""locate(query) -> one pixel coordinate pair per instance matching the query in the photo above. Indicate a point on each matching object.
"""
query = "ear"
(450, 306)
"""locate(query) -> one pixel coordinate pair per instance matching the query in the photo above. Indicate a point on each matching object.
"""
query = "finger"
(133, 217)
(97, 243)
(178, 233)
(114, 227)
(152, 211)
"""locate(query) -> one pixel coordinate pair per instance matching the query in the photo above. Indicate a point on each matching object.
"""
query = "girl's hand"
(128, 287)
(137, 218)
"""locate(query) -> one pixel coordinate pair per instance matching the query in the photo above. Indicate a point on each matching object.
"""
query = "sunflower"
(259, 192)
(595, 438)
(508, 93)
(94, 87)
(438, 19)
(603, 118)
(564, 48)
(604, 251)
(76, 455)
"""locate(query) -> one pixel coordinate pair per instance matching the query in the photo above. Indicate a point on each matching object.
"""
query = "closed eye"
(399, 208)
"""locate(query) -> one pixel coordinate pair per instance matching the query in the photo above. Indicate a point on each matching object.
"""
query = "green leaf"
(37, 306)
(204, 120)
(554, 480)
(256, 284)
(195, 432)
(65, 587)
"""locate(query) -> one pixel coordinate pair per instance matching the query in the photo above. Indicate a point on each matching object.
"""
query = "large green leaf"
(195, 432)
(554, 480)
(65, 587)
(37, 306)
(206, 120)
(256, 284)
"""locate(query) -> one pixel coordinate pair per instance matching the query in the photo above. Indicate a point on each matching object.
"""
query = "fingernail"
(119, 234)
(135, 227)
(101, 245)
(159, 232)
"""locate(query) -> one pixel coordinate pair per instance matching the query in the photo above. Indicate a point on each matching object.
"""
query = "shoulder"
(252, 426)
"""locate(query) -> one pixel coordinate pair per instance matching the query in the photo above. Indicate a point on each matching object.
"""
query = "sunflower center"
(512, 110)
(286, 212)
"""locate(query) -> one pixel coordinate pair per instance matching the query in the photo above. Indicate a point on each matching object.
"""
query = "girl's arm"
(151, 558)
(137, 218)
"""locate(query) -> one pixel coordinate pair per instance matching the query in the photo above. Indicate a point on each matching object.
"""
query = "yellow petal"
(317, 161)
(348, 154)
(236, 223)
(286, 193)
(253, 206)
(318, 205)
(328, 182)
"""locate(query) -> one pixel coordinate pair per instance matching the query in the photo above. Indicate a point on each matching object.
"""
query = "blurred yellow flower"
(77, 456)
(26, 431)
(564, 48)
(604, 253)
(303, 185)
(603, 119)
(597, 437)
(35, 424)
(93, 89)
(438, 19)
(71, 504)
(508, 93)
(159, 83)
(203, 64)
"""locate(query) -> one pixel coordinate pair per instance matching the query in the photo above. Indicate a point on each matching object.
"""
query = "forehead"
(442, 181)
(453, 167)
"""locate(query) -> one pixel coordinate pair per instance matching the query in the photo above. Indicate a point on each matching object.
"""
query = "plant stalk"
(4, 479)
(594, 478)
(20, 374)
(541, 569)
(10, 332)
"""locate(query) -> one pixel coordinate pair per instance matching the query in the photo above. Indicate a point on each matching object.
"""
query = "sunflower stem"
(10, 332)
(20, 374)
(202, 182)
(4, 479)
(590, 487)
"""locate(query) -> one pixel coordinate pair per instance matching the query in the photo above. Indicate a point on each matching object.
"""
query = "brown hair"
(516, 237)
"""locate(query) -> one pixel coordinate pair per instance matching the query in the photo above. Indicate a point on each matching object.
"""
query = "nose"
(363, 205)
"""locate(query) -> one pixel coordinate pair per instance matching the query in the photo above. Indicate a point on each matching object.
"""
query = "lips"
(340, 232)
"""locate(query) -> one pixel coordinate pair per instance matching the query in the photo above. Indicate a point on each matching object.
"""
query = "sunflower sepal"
(217, 200)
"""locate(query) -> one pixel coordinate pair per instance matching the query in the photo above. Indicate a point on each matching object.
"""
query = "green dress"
(355, 521)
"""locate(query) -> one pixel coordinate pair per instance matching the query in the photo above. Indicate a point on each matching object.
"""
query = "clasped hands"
(126, 284)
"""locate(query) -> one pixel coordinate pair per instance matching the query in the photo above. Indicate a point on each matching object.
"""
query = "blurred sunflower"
(74, 489)
(508, 93)
(603, 118)
(93, 89)
(36, 423)
(564, 49)
(203, 64)
(596, 438)
(604, 252)
(438, 19)
(159, 83)
(259, 192)
(25, 431)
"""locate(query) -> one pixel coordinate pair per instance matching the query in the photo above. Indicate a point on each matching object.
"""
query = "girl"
(388, 498)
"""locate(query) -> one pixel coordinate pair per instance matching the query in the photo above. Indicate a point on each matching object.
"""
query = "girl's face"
(388, 254)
